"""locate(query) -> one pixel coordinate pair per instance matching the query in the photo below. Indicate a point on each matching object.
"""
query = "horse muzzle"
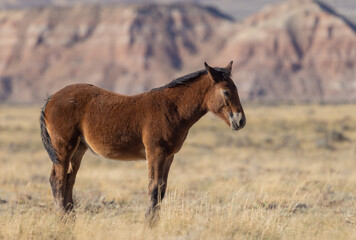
(237, 121)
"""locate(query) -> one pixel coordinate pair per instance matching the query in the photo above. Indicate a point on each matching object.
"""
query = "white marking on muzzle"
(235, 120)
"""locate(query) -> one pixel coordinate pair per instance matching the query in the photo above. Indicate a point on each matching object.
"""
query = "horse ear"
(212, 73)
(229, 67)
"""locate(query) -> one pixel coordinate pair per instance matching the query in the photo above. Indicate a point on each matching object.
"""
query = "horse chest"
(176, 141)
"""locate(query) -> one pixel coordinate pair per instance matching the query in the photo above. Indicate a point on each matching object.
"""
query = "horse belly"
(127, 156)
(130, 150)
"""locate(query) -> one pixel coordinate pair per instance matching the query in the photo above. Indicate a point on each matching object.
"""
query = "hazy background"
(239, 9)
(283, 51)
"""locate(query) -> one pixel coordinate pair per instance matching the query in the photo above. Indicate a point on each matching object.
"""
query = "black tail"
(46, 139)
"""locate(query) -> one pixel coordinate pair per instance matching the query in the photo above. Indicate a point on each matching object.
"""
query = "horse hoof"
(152, 218)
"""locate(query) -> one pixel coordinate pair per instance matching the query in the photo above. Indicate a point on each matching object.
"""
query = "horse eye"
(226, 93)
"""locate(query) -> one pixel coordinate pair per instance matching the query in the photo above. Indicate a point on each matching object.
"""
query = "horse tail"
(46, 139)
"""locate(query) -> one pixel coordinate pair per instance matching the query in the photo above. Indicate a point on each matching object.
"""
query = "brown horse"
(152, 125)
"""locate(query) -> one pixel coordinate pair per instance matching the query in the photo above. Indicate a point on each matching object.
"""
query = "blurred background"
(283, 51)
(289, 174)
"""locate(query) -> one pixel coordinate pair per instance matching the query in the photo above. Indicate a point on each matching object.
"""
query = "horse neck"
(189, 101)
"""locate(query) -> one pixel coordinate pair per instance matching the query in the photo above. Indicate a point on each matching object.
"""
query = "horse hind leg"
(58, 177)
(58, 184)
(71, 175)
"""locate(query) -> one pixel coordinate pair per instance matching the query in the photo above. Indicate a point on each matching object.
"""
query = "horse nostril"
(242, 122)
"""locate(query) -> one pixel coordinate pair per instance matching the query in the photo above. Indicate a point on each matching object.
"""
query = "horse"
(150, 126)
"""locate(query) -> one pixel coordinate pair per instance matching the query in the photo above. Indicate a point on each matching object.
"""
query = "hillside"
(125, 49)
(300, 50)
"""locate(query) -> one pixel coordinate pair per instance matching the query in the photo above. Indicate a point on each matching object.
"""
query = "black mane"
(188, 79)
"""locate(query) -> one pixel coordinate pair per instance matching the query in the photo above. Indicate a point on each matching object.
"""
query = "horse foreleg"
(167, 166)
(158, 168)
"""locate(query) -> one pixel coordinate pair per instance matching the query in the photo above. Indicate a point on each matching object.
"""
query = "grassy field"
(289, 174)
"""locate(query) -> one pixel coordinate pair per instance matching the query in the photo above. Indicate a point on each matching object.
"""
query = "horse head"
(223, 99)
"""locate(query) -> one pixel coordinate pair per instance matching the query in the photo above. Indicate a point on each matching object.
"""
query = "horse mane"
(191, 77)
(182, 80)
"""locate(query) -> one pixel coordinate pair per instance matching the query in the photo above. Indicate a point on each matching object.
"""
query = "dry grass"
(290, 174)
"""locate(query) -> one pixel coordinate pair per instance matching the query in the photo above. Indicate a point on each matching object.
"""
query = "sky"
(238, 9)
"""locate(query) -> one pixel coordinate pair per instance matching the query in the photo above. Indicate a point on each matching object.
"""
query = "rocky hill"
(300, 50)
(125, 49)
